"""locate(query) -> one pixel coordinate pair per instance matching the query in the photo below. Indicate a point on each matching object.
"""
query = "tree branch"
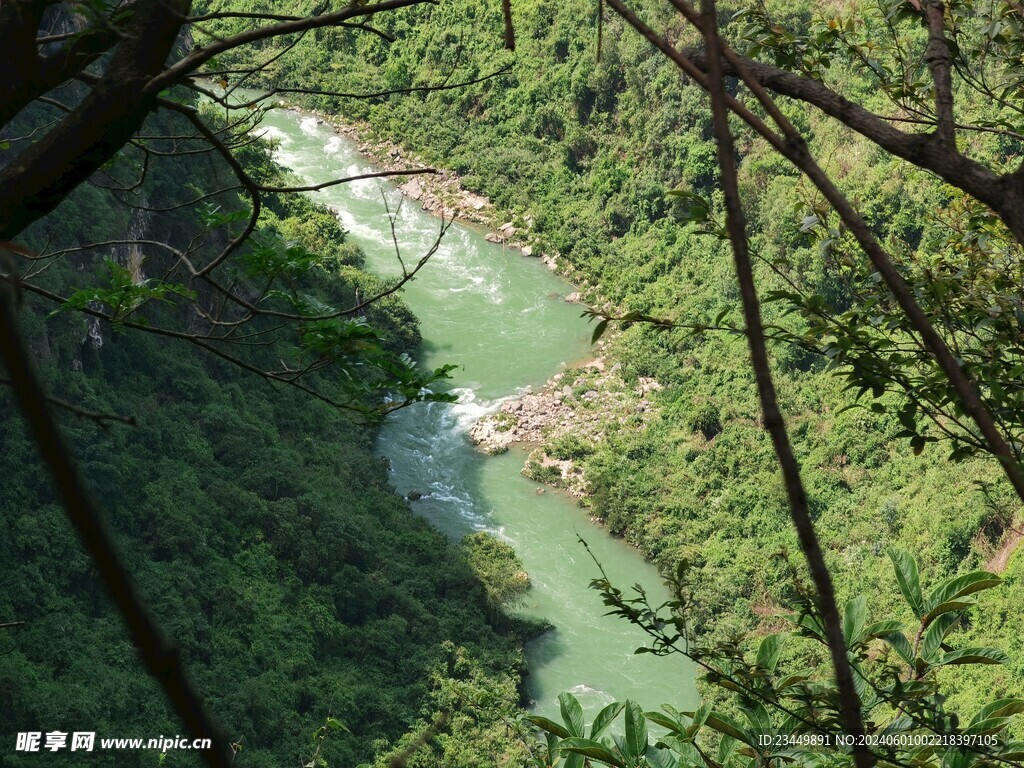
(774, 424)
(1003, 194)
(190, 63)
(940, 64)
(160, 658)
(39, 178)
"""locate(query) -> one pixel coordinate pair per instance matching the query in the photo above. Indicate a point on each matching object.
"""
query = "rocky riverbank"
(563, 420)
(440, 193)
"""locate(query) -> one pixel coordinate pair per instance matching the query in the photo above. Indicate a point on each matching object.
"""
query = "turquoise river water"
(502, 318)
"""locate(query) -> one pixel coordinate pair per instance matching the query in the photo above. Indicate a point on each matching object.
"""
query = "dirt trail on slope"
(999, 561)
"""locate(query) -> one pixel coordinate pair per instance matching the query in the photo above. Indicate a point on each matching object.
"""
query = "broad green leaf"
(960, 586)
(899, 643)
(548, 725)
(991, 725)
(811, 626)
(636, 731)
(998, 708)
(604, 718)
(726, 725)
(572, 713)
(854, 617)
(908, 579)
(956, 758)
(699, 718)
(661, 758)
(880, 628)
(1013, 750)
(974, 656)
(769, 650)
(337, 725)
(666, 722)
(936, 633)
(758, 717)
(592, 749)
(899, 725)
(725, 749)
(944, 609)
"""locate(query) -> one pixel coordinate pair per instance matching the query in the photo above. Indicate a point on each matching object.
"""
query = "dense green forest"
(257, 521)
(583, 152)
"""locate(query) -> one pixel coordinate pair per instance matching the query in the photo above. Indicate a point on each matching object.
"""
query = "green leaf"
(699, 718)
(908, 579)
(809, 223)
(595, 750)
(998, 708)
(599, 331)
(880, 628)
(758, 717)
(604, 718)
(548, 725)
(726, 725)
(726, 747)
(636, 731)
(948, 607)
(960, 586)
(666, 722)
(974, 656)
(936, 633)
(956, 758)
(989, 726)
(661, 758)
(854, 617)
(769, 650)
(337, 725)
(572, 713)
(899, 643)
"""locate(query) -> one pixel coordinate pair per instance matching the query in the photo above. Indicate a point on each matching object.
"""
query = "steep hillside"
(582, 153)
(257, 522)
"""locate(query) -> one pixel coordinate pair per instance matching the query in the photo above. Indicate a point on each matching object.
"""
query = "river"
(502, 318)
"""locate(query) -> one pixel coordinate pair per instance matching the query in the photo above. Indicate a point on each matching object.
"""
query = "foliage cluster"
(783, 713)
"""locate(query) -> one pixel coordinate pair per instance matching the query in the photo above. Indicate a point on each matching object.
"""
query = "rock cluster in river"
(578, 402)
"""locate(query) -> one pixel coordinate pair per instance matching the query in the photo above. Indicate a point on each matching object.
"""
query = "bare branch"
(100, 418)
(349, 179)
(510, 30)
(1003, 194)
(792, 146)
(941, 67)
(774, 424)
(190, 63)
(444, 86)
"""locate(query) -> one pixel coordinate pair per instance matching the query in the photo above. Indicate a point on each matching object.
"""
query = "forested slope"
(583, 152)
(257, 522)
